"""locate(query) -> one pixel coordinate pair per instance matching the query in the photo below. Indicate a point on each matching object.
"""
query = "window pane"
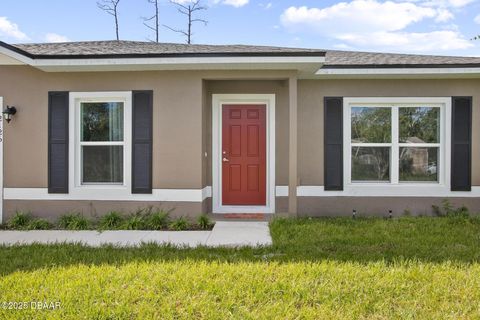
(418, 164)
(371, 125)
(101, 121)
(419, 125)
(102, 164)
(370, 164)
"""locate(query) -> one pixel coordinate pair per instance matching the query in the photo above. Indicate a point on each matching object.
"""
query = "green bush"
(437, 211)
(204, 221)
(135, 221)
(179, 224)
(157, 220)
(447, 210)
(111, 221)
(39, 224)
(73, 221)
(20, 220)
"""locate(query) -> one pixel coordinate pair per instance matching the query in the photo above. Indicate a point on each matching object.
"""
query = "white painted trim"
(169, 63)
(198, 195)
(443, 184)
(398, 71)
(176, 61)
(401, 190)
(76, 189)
(206, 192)
(281, 191)
(163, 195)
(1, 161)
(217, 101)
(17, 56)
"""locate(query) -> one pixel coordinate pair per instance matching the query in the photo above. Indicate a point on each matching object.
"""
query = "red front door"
(244, 154)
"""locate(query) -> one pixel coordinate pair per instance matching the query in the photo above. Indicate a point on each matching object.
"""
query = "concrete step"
(242, 217)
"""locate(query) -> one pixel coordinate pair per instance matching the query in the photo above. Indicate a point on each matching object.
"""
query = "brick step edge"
(242, 216)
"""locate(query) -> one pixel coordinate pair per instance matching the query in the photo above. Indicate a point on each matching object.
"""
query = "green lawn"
(418, 268)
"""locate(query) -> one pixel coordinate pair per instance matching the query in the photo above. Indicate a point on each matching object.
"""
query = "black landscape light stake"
(390, 215)
(8, 113)
(354, 214)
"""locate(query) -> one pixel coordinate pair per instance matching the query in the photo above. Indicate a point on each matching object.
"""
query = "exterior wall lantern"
(8, 113)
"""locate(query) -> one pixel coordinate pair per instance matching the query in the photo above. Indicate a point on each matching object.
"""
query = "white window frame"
(443, 183)
(75, 168)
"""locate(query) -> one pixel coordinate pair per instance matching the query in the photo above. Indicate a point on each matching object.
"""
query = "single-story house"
(118, 125)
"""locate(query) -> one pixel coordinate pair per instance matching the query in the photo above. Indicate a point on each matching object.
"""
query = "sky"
(442, 27)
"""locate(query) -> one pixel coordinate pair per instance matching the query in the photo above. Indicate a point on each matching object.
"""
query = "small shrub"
(437, 211)
(111, 221)
(447, 207)
(407, 213)
(136, 221)
(461, 212)
(204, 221)
(73, 221)
(179, 224)
(20, 220)
(39, 224)
(157, 220)
(450, 211)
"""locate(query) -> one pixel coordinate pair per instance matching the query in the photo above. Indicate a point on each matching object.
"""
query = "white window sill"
(397, 190)
(106, 191)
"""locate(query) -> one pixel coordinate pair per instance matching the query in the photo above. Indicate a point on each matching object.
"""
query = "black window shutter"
(58, 142)
(333, 140)
(461, 167)
(142, 134)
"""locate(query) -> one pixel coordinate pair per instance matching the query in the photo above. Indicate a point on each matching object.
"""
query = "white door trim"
(1, 160)
(217, 101)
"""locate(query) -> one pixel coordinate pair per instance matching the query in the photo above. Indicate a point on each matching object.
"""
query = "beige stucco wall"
(379, 206)
(310, 113)
(177, 126)
(182, 113)
(52, 209)
(182, 126)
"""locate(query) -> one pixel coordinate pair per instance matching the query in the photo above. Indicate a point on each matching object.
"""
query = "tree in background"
(154, 18)
(110, 7)
(188, 9)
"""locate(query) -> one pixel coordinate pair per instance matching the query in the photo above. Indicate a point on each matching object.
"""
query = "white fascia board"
(196, 63)
(365, 72)
(167, 63)
(15, 56)
(175, 61)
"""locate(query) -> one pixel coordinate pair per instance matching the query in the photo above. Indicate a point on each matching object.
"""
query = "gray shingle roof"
(151, 48)
(334, 58)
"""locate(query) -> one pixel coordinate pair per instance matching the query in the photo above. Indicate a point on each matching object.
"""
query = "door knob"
(225, 160)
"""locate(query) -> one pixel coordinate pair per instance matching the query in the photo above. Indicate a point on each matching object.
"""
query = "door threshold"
(243, 216)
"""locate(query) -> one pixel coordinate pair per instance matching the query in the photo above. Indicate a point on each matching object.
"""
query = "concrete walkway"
(224, 234)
